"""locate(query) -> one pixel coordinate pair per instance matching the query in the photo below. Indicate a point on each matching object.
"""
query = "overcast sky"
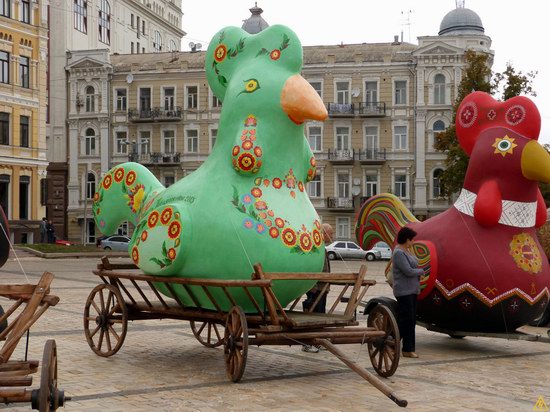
(516, 28)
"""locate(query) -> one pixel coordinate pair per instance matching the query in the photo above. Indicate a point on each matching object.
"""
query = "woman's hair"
(405, 234)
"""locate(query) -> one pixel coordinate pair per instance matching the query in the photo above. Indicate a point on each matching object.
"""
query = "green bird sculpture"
(247, 202)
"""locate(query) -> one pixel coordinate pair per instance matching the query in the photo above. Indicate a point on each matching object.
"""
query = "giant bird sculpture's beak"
(535, 162)
(301, 102)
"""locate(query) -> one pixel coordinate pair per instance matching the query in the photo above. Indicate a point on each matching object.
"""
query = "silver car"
(115, 242)
(349, 250)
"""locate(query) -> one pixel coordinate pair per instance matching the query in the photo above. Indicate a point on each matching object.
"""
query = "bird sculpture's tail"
(125, 192)
(380, 218)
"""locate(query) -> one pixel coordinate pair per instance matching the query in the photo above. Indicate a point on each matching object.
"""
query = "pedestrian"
(50, 229)
(314, 292)
(406, 287)
(43, 230)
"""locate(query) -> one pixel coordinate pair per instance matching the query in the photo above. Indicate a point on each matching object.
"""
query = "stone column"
(104, 145)
(420, 183)
(73, 186)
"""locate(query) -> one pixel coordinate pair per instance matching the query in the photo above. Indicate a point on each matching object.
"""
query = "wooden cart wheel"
(384, 351)
(105, 320)
(235, 343)
(48, 397)
(207, 333)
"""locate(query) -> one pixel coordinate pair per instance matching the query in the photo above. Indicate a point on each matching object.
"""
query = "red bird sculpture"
(485, 270)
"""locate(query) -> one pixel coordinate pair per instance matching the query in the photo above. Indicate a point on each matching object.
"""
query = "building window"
(157, 43)
(120, 100)
(5, 128)
(90, 231)
(192, 97)
(318, 87)
(192, 136)
(43, 192)
(342, 228)
(169, 180)
(132, 20)
(24, 131)
(132, 47)
(24, 197)
(342, 93)
(169, 140)
(401, 185)
(24, 67)
(137, 25)
(215, 102)
(371, 141)
(81, 15)
(5, 194)
(371, 183)
(137, 48)
(314, 186)
(213, 137)
(105, 22)
(25, 11)
(123, 229)
(371, 95)
(145, 99)
(145, 142)
(343, 184)
(90, 99)
(5, 8)
(401, 92)
(436, 183)
(89, 145)
(315, 138)
(143, 26)
(169, 98)
(400, 137)
(4, 67)
(90, 186)
(173, 46)
(342, 138)
(121, 140)
(439, 89)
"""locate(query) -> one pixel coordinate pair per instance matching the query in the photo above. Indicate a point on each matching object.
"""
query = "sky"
(516, 28)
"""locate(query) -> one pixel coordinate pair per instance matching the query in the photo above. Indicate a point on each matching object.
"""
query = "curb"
(72, 255)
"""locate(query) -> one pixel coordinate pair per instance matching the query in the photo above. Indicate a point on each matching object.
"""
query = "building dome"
(255, 23)
(461, 21)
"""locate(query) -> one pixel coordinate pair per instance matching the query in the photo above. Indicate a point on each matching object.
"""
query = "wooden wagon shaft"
(15, 395)
(15, 380)
(326, 334)
(373, 380)
(19, 366)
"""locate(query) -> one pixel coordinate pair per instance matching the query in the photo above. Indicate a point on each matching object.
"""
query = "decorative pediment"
(438, 48)
(86, 63)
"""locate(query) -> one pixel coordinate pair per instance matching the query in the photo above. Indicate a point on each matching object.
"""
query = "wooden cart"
(122, 297)
(29, 303)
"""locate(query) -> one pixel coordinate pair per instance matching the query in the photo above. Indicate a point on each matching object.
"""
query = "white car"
(384, 249)
(350, 250)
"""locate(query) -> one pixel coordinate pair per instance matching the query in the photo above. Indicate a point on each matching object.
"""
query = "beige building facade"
(23, 110)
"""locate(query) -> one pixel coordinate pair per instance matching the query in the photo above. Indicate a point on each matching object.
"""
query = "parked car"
(384, 250)
(115, 242)
(350, 250)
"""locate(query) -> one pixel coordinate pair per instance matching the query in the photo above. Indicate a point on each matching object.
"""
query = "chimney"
(395, 40)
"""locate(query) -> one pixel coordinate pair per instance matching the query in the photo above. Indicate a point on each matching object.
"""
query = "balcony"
(341, 156)
(341, 110)
(340, 203)
(157, 159)
(156, 114)
(372, 156)
(372, 109)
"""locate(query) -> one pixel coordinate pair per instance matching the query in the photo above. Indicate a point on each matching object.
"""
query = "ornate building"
(23, 70)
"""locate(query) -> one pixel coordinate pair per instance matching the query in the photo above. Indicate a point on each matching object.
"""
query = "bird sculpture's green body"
(247, 203)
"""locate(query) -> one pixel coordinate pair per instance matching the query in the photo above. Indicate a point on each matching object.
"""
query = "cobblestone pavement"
(162, 367)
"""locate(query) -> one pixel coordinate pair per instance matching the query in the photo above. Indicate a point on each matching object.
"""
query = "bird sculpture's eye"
(504, 145)
(250, 86)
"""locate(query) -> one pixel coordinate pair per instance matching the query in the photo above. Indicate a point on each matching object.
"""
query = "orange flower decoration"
(119, 175)
(144, 235)
(135, 255)
(258, 151)
(300, 186)
(174, 229)
(317, 238)
(275, 54)
(312, 162)
(130, 178)
(166, 216)
(236, 150)
(274, 232)
(305, 242)
(153, 219)
(289, 237)
(96, 196)
(247, 145)
(171, 253)
(220, 53)
(279, 222)
(270, 213)
(277, 183)
(317, 224)
(256, 192)
(107, 181)
(246, 162)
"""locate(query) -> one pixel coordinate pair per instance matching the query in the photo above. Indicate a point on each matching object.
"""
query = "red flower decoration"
(317, 224)
(300, 186)
(236, 150)
(270, 213)
(247, 145)
(289, 237)
(312, 161)
(277, 183)
(174, 229)
(107, 181)
(153, 219)
(279, 222)
(258, 151)
(171, 253)
(317, 238)
(220, 53)
(252, 132)
(250, 121)
(256, 192)
(144, 235)
(268, 223)
(275, 54)
(135, 255)
(166, 216)
(119, 175)
(468, 115)
(274, 232)
(96, 196)
(260, 205)
(246, 162)
(515, 115)
(305, 242)
(130, 178)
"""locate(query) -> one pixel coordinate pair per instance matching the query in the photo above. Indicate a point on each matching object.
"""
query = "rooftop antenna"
(460, 4)
(407, 22)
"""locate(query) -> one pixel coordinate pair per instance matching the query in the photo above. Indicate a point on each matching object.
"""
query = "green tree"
(476, 77)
